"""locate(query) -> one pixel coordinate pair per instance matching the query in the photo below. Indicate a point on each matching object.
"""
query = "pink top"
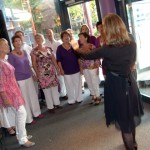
(9, 85)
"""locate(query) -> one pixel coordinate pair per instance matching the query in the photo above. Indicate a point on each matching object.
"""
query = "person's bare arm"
(3, 95)
(34, 64)
(6, 101)
(92, 54)
(80, 65)
(61, 69)
(55, 64)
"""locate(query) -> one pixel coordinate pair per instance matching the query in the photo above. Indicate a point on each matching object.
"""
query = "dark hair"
(19, 31)
(98, 23)
(85, 35)
(15, 37)
(63, 33)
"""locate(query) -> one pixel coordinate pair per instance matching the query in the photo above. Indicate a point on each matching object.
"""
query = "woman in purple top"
(19, 60)
(69, 68)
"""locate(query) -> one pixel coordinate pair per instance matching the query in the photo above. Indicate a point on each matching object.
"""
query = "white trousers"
(92, 80)
(74, 87)
(51, 97)
(31, 99)
(20, 115)
(82, 80)
(63, 91)
(36, 86)
(7, 117)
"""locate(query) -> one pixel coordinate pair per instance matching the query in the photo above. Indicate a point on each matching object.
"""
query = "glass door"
(85, 13)
(139, 24)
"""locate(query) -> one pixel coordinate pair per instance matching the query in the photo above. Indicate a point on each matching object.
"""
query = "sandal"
(97, 101)
(11, 131)
(93, 100)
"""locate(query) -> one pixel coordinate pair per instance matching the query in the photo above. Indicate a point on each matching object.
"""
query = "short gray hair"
(40, 35)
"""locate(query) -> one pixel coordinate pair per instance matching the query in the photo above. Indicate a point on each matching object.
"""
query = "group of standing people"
(58, 68)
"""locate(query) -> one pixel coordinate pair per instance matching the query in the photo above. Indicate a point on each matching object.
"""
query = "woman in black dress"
(122, 98)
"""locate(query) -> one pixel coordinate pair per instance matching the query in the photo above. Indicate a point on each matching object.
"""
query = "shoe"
(29, 137)
(79, 102)
(64, 97)
(28, 144)
(11, 131)
(97, 101)
(52, 111)
(135, 146)
(93, 100)
(102, 95)
(40, 116)
(32, 123)
(58, 107)
(91, 103)
(70, 104)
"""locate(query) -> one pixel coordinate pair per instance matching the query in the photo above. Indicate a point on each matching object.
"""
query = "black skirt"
(122, 99)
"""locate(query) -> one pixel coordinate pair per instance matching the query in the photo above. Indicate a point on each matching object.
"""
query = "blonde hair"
(84, 25)
(2, 40)
(40, 35)
(115, 32)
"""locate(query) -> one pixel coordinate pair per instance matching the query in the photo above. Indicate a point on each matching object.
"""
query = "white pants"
(20, 115)
(7, 117)
(36, 86)
(82, 80)
(74, 87)
(63, 91)
(31, 99)
(51, 97)
(92, 80)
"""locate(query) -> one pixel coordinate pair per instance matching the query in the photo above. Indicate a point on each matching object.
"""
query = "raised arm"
(96, 53)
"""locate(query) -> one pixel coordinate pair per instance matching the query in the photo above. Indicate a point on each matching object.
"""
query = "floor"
(80, 127)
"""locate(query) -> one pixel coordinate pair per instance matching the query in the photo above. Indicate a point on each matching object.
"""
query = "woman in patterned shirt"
(90, 70)
(45, 66)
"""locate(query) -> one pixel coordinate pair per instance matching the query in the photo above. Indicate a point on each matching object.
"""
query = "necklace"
(19, 52)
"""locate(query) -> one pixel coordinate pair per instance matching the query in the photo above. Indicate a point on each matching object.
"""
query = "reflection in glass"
(139, 23)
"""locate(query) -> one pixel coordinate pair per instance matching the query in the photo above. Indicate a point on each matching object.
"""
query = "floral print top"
(9, 86)
(46, 68)
(90, 64)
